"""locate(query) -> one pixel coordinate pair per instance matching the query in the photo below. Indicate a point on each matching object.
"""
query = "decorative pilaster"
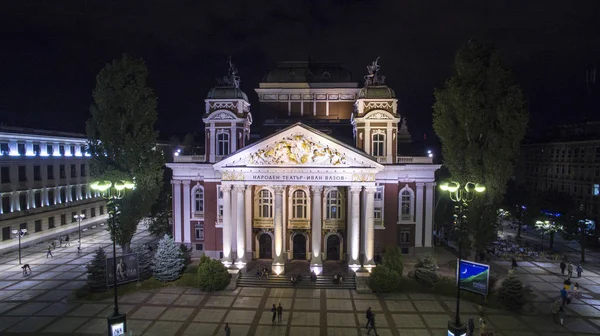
(45, 200)
(31, 199)
(241, 225)
(419, 216)
(15, 204)
(354, 231)
(57, 199)
(187, 213)
(370, 229)
(278, 260)
(248, 210)
(429, 213)
(316, 221)
(177, 210)
(226, 189)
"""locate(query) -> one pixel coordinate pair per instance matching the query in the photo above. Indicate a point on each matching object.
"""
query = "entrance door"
(265, 246)
(299, 247)
(333, 247)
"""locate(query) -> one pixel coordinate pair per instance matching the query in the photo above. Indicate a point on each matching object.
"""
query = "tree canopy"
(122, 140)
(480, 118)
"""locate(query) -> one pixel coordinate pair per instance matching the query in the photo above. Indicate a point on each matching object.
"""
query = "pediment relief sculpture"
(297, 150)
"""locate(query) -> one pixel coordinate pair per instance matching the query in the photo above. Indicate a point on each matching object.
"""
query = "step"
(284, 282)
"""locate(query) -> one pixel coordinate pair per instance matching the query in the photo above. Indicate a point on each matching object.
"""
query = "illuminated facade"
(301, 191)
(44, 182)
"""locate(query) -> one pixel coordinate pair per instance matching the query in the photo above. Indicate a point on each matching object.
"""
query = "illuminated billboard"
(474, 277)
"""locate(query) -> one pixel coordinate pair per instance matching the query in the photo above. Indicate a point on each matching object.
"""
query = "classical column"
(78, 190)
(429, 213)
(187, 213)
(16, 203)
(369, 229)
(354, 232)
(316, 221)
(419, 216)
(177, 210)
(57, 195)
(248, 210)
(31, 199)
(241, 224)
(278, 260)
(226, 189)
(45, 201)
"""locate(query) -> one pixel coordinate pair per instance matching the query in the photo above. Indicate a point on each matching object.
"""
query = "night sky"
(50, 52)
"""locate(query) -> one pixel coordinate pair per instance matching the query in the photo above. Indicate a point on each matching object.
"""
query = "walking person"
(68, 241)
(274, 311)
(49, 252)
(564, 297)
(563, 266)
(369, 314)
(555, 309)
(372, 325)
(227, 330)
(579, 270)
(60, 241)
(25, 268)
(471, 325)
(481, 326)
(279, 312)
(570, 270)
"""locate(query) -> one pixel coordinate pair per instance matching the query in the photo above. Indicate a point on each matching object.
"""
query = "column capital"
(176, 182)
(431, 184)
(316, 189)
(239, 188)
(186, 183)
(225, 188)
(279, 189)
(355, 189)
(420, 184)
(370, 190)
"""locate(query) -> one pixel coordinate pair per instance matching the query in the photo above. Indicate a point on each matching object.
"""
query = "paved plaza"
(40, 304)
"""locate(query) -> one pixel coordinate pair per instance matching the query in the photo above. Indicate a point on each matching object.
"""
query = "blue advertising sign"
(474, 277)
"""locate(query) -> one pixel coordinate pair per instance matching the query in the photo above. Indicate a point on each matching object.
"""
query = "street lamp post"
(18, 234)
(461, 197)
(79, 217)
(543, 226)
(112, 192)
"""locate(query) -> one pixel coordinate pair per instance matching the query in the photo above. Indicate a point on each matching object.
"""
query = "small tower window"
(378, 148)
(222, 144)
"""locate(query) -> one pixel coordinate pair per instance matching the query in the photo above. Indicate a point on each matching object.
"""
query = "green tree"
(513, 294)
(96, 272)
(145, 262)
(168, 261)
(480, 118)
(384, 280)
(121, 140)
(212, 275)
(392, 259)
(159, 222)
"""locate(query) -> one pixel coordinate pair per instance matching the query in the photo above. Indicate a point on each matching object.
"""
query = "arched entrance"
(299, 248)
(333, 247)
(265, 246)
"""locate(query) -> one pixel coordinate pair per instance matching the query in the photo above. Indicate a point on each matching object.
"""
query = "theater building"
(330, 181)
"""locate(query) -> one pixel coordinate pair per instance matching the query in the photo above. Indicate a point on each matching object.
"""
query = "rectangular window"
(61, 150)
(72, 150)
(63, 173)
(5, 204)
(82, 168)
(5, 174)
(405, 236)
(23, 226)
(63, 219)
(4, 148)
(199, 231)
(38, 225)
(73, 170)
(377, 215)
(22, 174)
(50, 222)
(378, 145)
(49, 149)
(36, 149)
(21, 148)
(379, 194)
(223, 144)
(93, 212)
(23, 201)
(50, 172)
(84, 213)
(37, 173)
(199, 247)
(101, 210)
(73, 219)
(37, 197)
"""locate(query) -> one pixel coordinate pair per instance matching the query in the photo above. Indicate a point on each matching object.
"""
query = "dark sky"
(51, 50)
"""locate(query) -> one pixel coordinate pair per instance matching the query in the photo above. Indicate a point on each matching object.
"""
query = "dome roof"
(226, 92)
(376, 92)
(308, 72)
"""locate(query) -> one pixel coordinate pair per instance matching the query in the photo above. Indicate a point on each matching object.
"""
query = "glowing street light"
(18, 234)
(461, 198)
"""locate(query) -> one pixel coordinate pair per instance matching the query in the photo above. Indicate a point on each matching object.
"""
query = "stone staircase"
(282, 281)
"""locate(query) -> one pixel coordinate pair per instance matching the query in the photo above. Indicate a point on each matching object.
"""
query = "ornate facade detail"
(377, 105)
(232, 176)
(283, 97)
(297, 149)
(296, 97)
(333, 97)
(321, 97)
(223, 105)
(270, 97)
(363, 177)
(223, 116)
(347, 97)
(379, 115)
(373, 78)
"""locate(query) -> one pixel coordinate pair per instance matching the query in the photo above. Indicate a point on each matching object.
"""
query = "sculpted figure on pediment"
(297, 150)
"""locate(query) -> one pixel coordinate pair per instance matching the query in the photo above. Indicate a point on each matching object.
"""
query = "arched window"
(222, 144)
(265, 204)
(406, 204)
(334, 205)
(199, 200)
(299, 202)
(378, 144)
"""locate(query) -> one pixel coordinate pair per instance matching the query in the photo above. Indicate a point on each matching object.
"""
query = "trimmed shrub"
(96, 272)
(512, 293)
(212, 275)
(425, 271)
(168, 263)
(384, 280)
(393, 259)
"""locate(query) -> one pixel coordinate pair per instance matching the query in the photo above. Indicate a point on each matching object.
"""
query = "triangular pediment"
(299, 146)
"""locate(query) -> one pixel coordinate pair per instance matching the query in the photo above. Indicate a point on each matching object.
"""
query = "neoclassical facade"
(302, 192)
